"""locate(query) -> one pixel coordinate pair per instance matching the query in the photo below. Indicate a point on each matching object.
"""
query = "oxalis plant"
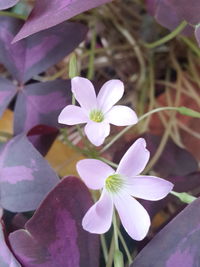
(101, 87)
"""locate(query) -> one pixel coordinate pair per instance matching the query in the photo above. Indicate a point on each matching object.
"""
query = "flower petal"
(121, 116)
(93, 172)
(99, 217)
(72, 115)
(133, 215)
(97, 132)
(84, 93)
(149, 187)
(134, 160)
(111, 92)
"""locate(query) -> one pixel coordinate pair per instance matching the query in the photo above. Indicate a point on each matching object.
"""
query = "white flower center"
(96, 115)
(114, 183)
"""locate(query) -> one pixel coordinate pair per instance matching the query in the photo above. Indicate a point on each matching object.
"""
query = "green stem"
(111, 253)
(104, 247)
(13, 15)
(191, 45)
(125, 247)
(168, 37)
(108, 161)
(84, 139)
(70, 144)
(90, 73)
(120, 134)
(73, 100)
(115, 231)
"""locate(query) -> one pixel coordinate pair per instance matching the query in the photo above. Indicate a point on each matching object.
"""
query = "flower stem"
(191, 45)
(118, 256)
(13, 15)
(104, 247)
(125, 247)
(168, 37)
(110, 254)
(108, 161)
(120, 134)
(90, 73)
(73, 100)
(115, 231)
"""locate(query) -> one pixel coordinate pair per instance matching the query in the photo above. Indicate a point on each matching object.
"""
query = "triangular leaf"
(41, 103)
(36, 53)
(6, 257)
(48, 13)
(7, 92)
(25, 176)
(177, 243)
(54, 235)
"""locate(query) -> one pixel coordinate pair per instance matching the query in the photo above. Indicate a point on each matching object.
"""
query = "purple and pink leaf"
(170, 13)
(178, 242)
(35, 54)
(6, 257)
(54, 235)
(39, 103)
(4, 4)
(48, 13)
(7, 93)
(25, 176)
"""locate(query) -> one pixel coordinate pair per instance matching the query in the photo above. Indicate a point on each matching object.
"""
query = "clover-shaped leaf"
(36, 53)
(178, 242)
(54, 235)
(48, 13)
(25, 176)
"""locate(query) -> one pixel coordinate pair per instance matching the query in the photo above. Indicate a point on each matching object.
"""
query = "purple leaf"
(42, 137)
(48, 13)
(177, 243)
(54, 235)
(185, 183)
(151, 6)
(25, 176)
(17, 222)
(166, 14)
(7, 92)
(4, 4)
(12, 56)
(170, 13)
(174, 160)
(6, 257)
(36, 53)
(41, 103)
(186, 10)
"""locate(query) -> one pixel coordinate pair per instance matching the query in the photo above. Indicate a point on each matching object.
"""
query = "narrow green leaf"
(188, 112)
(184, 197)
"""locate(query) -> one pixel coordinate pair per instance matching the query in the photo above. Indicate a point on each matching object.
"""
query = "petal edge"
(99, 217)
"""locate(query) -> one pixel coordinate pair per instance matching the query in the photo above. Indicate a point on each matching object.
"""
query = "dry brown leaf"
(63, 158)
(6, 124)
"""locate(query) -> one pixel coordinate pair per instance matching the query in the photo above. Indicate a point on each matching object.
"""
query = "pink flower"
(118, 187)
(97, 112)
